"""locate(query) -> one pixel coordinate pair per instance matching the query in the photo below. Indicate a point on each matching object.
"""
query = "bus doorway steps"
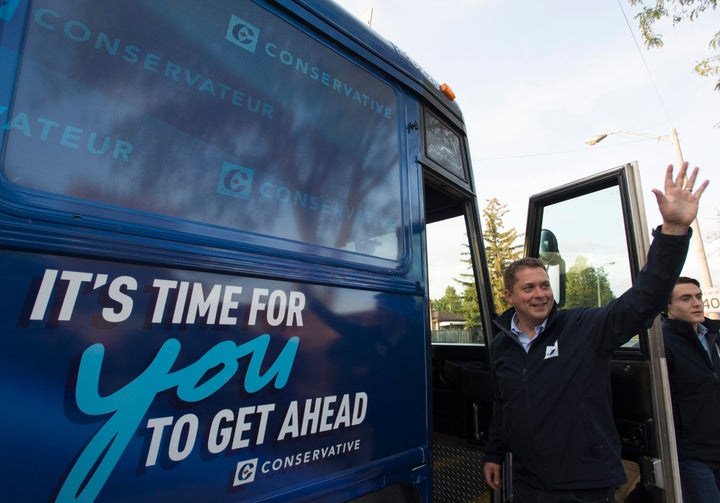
(457, 472)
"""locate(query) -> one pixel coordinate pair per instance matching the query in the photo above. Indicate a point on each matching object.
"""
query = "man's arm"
(495, 449)
(648, 295)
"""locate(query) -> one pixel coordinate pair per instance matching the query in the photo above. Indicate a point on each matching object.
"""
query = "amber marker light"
(447, 91)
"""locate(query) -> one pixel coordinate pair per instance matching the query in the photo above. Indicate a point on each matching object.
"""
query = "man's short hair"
(684, 279)
(510, 274)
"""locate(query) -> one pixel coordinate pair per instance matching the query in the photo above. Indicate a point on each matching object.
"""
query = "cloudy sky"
(535, 79)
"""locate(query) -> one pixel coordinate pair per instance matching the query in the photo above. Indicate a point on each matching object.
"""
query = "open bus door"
(594, 236)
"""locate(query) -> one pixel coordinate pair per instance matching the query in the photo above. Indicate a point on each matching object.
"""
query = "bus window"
(443, 146)
(247, 124)
(455, 315)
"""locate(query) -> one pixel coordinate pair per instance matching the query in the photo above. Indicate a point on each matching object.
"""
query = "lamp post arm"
(645, 135)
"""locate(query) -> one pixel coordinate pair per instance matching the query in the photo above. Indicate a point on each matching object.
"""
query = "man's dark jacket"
(695, 390)
(553, 406)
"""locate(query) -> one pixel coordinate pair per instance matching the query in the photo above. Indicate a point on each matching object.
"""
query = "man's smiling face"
(531, 295)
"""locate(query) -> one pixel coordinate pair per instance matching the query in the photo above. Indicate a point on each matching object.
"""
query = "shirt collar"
(514, 327)
(702, 329)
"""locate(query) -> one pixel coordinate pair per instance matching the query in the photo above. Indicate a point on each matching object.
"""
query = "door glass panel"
(591, 240)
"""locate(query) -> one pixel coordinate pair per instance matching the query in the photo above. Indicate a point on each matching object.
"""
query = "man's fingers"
(669, 177)
(681, 180)
(699, 191)
(690, 183)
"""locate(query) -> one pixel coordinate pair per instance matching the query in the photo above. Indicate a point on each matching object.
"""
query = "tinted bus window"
(443, 146)
(228, 116)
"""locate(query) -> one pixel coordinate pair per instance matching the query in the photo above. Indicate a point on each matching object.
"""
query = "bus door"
(594, 236)
(460, 314)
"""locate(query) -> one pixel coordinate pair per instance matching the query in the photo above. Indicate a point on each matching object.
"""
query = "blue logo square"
(242, 34)
(235, 181)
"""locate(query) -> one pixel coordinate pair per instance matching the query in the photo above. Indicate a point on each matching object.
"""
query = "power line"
(559, 152)
(647, 68)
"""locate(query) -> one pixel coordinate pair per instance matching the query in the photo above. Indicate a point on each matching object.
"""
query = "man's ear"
(508, 297)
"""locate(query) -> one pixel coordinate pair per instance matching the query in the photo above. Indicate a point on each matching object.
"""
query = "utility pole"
(705, 279)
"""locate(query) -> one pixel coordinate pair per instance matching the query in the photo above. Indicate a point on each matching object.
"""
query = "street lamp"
(594, 140)
(597, 279)
(705, 279)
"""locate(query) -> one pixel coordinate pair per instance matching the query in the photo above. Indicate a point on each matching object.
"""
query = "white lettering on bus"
(75, 280)
(318, 415)
(216, 304)
(200, 304)
(227, 427)
(227, 430)
(306, 457)
(279, 307)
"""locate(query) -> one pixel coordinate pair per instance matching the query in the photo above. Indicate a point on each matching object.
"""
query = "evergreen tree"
(500, 249)
(470, 307)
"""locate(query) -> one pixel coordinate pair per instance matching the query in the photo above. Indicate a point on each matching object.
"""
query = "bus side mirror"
(549, 252)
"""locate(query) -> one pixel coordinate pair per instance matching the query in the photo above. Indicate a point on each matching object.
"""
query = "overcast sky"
(535, 79)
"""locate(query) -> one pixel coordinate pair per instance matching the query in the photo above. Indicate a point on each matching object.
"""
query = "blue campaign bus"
(211, 221)
(215, 221)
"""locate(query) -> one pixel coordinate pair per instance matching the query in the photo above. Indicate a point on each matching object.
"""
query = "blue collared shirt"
(523, 338)
(702, 330)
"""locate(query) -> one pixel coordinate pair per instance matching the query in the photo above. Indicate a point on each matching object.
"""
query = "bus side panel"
(125, 382)
(157, 159)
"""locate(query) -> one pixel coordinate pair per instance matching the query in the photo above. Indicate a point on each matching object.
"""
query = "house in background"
(444, 320)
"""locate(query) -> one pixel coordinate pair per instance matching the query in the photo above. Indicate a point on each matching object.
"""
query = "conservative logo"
(552, 351)
(245, 472)
(242, 34)
(235, 181)
(8, 8)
